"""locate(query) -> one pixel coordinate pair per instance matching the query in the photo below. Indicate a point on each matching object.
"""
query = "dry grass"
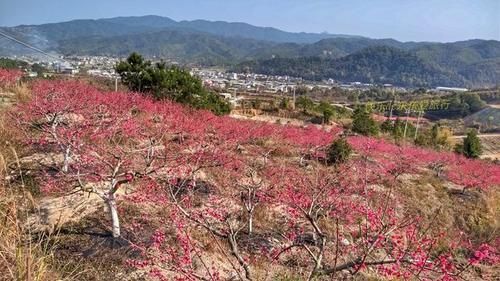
(22, 92)
(23, 256)
(474, 213)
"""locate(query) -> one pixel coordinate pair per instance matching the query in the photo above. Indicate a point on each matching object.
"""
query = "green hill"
(378, 64)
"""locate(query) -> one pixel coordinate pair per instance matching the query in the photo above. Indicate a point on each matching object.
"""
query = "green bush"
(338, 152)
(304, 103)
(363, 123)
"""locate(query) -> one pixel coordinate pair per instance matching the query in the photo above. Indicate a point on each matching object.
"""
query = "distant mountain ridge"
(229, 29)
(109, 27)
(269, 50)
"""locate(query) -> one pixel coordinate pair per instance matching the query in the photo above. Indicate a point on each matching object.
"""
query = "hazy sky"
(407, 20)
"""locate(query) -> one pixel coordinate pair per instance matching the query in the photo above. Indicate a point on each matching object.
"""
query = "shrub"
(304, 103)
(387, 126)
(437, 137)
(339, 151)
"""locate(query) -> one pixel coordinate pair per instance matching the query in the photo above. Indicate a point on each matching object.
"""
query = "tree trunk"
(235, 252)
(250, 223)
(111, 201)
(67, 157)
(318, 265)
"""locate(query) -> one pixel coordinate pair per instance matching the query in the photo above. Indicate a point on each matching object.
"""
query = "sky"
(405, 20)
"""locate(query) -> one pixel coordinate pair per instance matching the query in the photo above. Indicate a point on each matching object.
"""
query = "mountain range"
(244, 47)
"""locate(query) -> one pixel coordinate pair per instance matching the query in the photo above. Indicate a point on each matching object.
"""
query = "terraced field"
(491, 146)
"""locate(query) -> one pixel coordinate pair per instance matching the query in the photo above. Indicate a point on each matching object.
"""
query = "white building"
(451, 89)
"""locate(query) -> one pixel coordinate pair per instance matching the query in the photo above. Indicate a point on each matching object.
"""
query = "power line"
(30, 46)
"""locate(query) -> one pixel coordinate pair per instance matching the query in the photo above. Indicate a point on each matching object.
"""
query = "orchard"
(224, 199)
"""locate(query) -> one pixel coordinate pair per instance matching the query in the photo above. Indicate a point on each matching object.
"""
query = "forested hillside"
(371, 65)
(473, 63)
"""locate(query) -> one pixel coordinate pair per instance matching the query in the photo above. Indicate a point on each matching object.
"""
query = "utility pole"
(418, 122)
(406, 123)
(116, 83)
(293, 106)
(392, 104)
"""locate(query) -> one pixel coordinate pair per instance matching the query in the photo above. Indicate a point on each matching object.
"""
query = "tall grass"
(23, 256)
(22, 92)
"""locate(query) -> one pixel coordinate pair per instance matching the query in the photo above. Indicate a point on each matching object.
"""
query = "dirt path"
(480, 136)
(280, 120)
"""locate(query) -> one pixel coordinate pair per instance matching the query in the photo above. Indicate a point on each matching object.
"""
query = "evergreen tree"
(327, 111)
(472, 145)
(164, 82)
(134, 73)
(434, 135)
(363, 123)
(422, 140)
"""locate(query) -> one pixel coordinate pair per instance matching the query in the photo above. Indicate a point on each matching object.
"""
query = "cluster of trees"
(364, 124)
(460, 105)
(398, 129)
(326, 110)
(489, 95)
(438, 137)
(466, 103)
(7, 63)
(168, 82)
(200, 175)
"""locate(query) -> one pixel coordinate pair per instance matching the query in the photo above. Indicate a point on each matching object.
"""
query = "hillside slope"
(184, 46)
(487, 119)
(378, 64)
(191, 195)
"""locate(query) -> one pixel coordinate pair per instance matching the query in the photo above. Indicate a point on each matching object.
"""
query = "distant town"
(229, 83)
